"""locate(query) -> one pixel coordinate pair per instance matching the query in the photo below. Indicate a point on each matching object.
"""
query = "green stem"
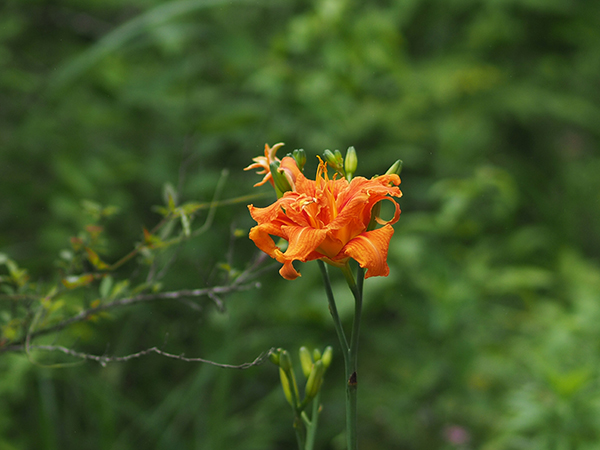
(300, 432)
(351, 371)
(350, 352)
(311, 434)
(299, 425)
(334, 313)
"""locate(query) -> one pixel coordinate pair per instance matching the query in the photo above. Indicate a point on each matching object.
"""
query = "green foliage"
(486, 329)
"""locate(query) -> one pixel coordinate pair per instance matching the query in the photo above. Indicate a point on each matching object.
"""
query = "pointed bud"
(280, 181)
(316, 354)
(285, 361)
(350, 163)
(274, 356)
(395, 169)
(338, 157)
(285, 384)
(315, 379)
(335, 160)
(300, 156)
(327, 356)
(305, 361)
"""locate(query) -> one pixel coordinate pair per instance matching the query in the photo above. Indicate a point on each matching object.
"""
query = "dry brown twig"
(104, 360)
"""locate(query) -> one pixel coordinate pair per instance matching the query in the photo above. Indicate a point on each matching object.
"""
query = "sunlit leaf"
(95, 259)
(105, 286)
(75, 281)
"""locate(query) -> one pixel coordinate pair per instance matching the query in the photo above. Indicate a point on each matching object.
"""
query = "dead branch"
(85, 314)
(104, 360)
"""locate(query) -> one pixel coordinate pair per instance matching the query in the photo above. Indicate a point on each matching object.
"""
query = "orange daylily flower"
(327, 219)
(264, 163)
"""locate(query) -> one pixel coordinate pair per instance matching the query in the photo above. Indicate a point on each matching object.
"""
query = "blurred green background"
(484, 336)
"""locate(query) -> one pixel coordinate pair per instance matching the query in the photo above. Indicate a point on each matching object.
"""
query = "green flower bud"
(300, 156)
(315, 380)
(339, 159)
(327, 356)
(334, 159)
(396, 168)
(281, 182)
(285, 361)
(285, 384)
(274, 356)
(316, 354)
(350, 163)
(329, 157)
(305, 361)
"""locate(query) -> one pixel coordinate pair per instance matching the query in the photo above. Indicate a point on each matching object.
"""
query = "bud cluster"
(344, 166)
(281, 181)
(313, 368)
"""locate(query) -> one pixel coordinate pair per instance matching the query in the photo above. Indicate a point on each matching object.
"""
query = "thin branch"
(218, 302)
(85, 314)
(255, 270)
(103, 360)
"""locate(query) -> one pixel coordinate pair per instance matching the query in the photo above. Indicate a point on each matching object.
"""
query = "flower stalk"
(349, 351)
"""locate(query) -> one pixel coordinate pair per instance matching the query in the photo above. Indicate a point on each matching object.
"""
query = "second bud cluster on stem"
(313, 368)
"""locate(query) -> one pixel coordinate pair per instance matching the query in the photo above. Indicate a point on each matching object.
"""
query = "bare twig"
(255, 269)
(218, 302)
(104, 360)
(85, 314)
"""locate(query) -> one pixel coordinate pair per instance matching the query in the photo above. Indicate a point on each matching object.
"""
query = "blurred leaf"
(106, 286)
(95, 259)
(185, 223)
(123, 34)
(75, 281)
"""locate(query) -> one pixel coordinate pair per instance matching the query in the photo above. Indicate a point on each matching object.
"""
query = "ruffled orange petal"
(263, 163)
(288, 272)
(261, 236)
(303, 241)
(301, 184)
(370, 250)
(302, 244)
(394, 219)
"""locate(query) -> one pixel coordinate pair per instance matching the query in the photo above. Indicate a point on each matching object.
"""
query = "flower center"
(310, 209)
(323, 188)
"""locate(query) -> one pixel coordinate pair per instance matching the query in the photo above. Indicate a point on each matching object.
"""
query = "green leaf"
(75, 281)
(95, 259)
(170, 196)
(106, 285)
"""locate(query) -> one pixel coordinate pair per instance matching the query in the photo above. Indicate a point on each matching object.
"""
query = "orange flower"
(327, 219)
(264, 163)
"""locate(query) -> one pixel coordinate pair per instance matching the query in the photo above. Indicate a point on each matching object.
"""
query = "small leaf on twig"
(75, 281)
(185, 223)
(95, 259)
